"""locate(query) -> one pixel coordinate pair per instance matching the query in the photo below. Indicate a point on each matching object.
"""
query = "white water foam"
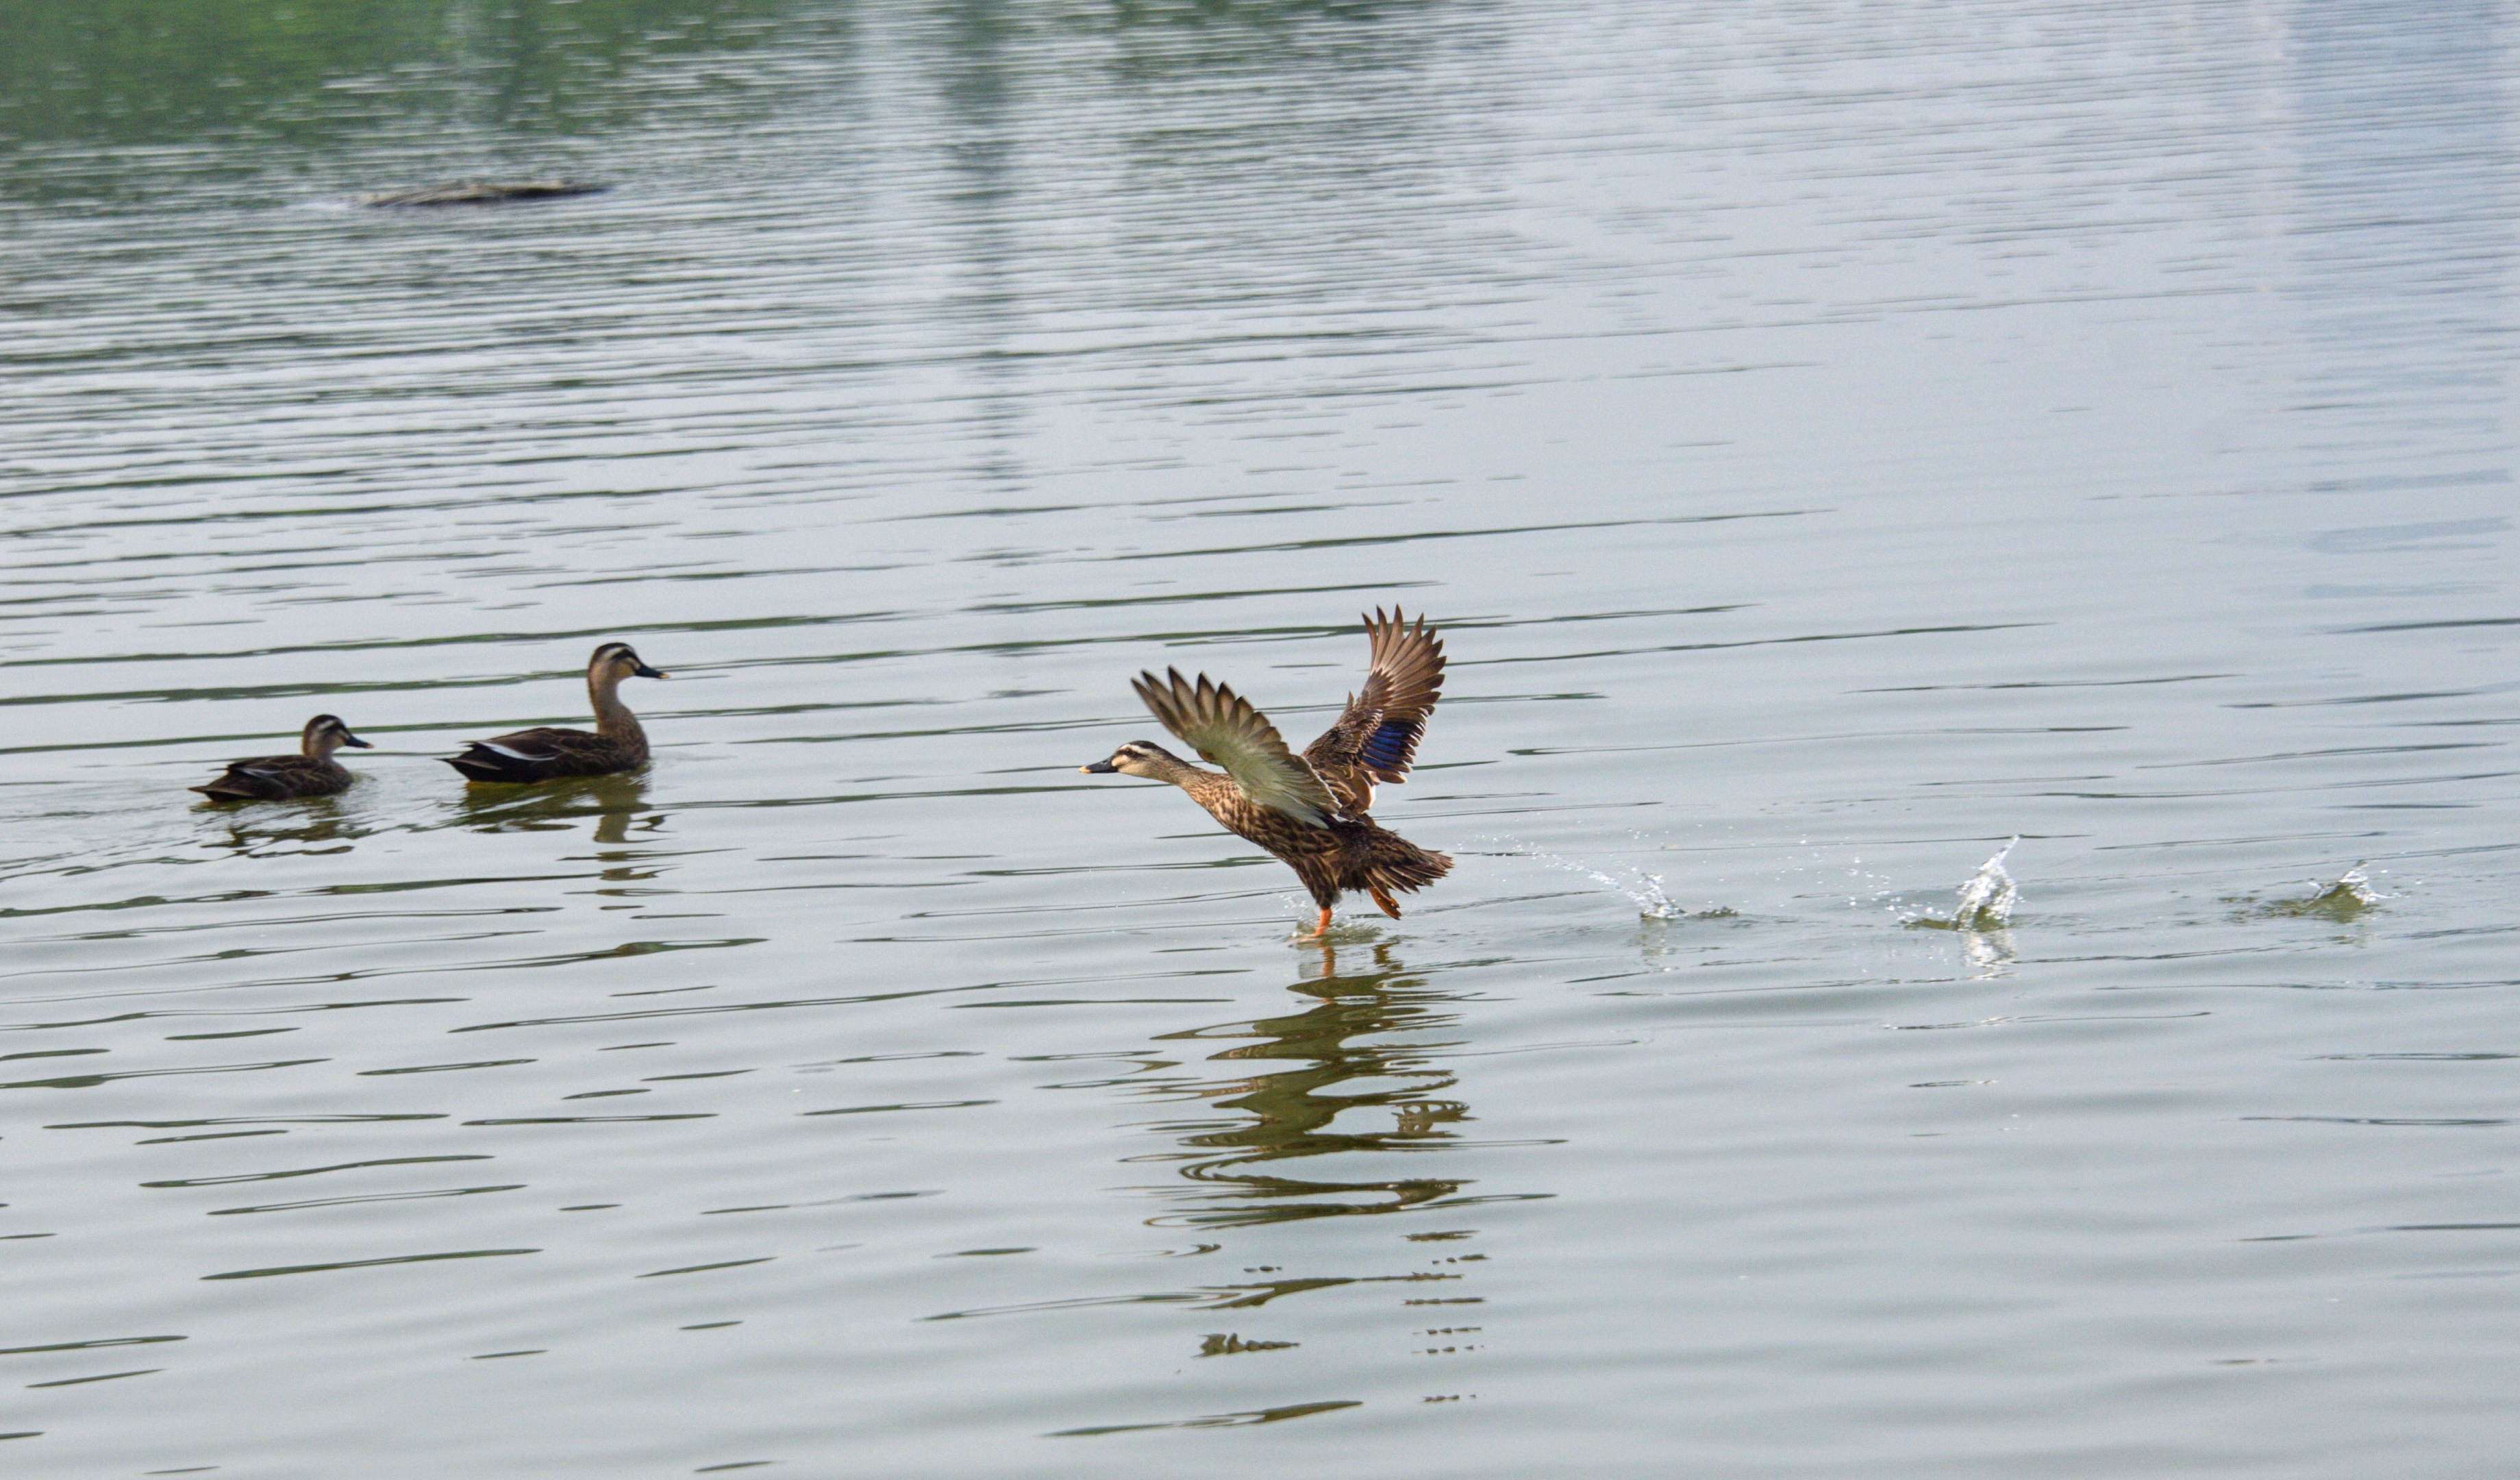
(2353, 885)
(2343, 898)
(1985, 900)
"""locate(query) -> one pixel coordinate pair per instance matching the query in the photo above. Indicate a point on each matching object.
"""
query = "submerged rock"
(482, 192)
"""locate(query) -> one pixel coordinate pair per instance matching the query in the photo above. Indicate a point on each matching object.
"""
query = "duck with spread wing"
(1310, 810)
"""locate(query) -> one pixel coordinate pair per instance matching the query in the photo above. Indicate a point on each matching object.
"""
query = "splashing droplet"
(2343, 900)
(1644, 890)
(1987, 899)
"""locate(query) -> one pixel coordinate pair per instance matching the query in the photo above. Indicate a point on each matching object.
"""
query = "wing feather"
(1376, 737)
(542, 743)
(1225, 730)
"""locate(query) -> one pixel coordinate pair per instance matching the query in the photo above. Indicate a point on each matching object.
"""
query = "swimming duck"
(1308, 810)
(543, 753)
(311, 772)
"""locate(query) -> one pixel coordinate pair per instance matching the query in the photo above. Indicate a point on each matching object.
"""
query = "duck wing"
(1376, 737)
(1225, 730)
(540, 754)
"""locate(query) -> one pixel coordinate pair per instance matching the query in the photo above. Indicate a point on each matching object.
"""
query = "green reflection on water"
(137, 72)
(167, 71)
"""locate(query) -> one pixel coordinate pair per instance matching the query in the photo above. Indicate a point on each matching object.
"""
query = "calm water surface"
(1832, 442)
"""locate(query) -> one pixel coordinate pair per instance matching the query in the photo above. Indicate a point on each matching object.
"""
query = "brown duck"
(1308, 810)
(311, 772)
(617, 743)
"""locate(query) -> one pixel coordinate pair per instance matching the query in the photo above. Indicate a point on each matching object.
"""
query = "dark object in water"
(545, 754)
(311, 772)
(482, 192)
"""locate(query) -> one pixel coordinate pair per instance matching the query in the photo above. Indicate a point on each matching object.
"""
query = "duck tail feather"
(482, 764)
(1403, 866)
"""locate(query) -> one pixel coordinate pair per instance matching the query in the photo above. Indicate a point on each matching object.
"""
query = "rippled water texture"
(1832, 440)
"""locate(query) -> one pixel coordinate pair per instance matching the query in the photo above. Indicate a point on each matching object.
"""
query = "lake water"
(1832, 440)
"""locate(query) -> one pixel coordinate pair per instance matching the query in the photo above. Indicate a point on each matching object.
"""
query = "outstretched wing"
(1225, 730)
(1376, 737)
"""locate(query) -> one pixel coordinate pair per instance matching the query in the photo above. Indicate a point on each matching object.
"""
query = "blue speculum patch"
(1390, 743)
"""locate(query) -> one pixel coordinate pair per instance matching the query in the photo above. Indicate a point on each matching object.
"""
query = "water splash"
(1644, 890)
(2346, 897)
(1985, 900)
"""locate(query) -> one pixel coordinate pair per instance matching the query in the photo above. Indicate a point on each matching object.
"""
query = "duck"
(546, 753)
(1309, 810)
(311, 772)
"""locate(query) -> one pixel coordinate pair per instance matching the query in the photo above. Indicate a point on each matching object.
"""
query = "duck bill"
(645, 671)
(352, 740)
(1099, 768)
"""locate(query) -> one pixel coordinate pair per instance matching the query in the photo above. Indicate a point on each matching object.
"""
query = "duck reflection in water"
(316, 825)
(1341, 1091)
(619, 803)
(615, 802)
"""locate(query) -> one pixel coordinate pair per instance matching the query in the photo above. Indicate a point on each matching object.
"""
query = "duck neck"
(1214, 791)
(319, 745)
(1167, 767)
(613, 718)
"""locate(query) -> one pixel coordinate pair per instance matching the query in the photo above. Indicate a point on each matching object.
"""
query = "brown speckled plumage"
(1308, 811)
(1352, 852)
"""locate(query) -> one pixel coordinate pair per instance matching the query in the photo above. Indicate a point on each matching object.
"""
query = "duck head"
(615, 661)
(1136, 759)
(325, 734)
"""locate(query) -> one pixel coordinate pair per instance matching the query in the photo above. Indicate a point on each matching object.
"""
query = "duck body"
(548, 753)
(1308, 811)
(1348, 853)
(311, 772)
